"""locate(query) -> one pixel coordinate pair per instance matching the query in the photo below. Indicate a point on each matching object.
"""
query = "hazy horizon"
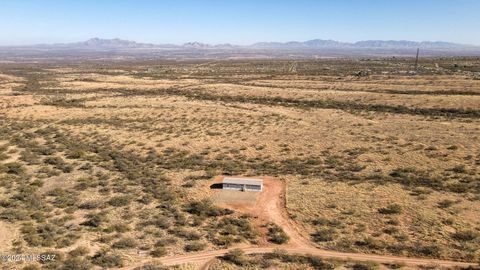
(220, 43)
(32, 22)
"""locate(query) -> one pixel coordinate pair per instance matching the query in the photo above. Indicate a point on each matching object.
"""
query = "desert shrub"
(29, 157)
(125, 243)
(79, 251)
(75, 154)
(328, 104)
(14, 214)
(431, 251)
(94, 220)
(324, 235)
(188, 235)
(195, 246)
(326, 222)
(67, 240)
(236, 256)
(119, 228)
(76, 263)
(412, 177)
(391, 209)
(206, 208)
(459, 187)
(63, 198)
(44, 150)
(370, 242)
(365, 266)
(452, 147)
(37, 183)
(395, 265)
(314, 261)
(39, 216)
(107, 259)
(53, 160)
(149, 266)
(85, 167)
(239, 228)
(3, 156)
(224, 240)
(106, 238)
(66, 168)
(12, 168)
(122, 200)
(158, 251)
(58, 163)
(90, 205)
(459, 169)
(49, 172)
(467, 235)
(391, 230)
(45, 235)
(86, 182)
(276, 234)
(445, 203)
(162, 222)
(181, 219)
(166, 241)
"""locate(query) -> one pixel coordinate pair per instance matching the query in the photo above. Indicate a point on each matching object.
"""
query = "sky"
(240, 22)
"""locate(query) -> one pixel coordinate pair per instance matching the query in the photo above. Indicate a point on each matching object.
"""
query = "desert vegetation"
(100, 162)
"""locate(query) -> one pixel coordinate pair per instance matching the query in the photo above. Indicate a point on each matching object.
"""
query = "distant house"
(242, 184)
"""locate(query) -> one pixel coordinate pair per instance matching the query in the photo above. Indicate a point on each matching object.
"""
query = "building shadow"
(216, 186)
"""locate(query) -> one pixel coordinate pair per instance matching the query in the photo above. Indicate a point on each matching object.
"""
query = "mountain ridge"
(313, 43)
(120, 49)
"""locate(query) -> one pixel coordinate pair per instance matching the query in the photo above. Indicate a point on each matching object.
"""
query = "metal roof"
(242, 181)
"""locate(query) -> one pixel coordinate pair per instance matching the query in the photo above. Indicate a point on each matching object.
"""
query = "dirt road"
(207, 255)
(270, 207)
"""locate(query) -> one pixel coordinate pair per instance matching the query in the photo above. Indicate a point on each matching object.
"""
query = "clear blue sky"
(238, 21)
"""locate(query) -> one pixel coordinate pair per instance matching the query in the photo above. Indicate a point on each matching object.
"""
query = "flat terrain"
(109, 164)
(235, 197)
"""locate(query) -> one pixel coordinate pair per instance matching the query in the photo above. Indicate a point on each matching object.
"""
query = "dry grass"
(156, 133)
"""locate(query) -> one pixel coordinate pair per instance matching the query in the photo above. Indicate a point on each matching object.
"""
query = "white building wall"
(242, 187)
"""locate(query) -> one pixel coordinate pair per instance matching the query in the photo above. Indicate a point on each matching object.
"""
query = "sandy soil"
(7, 234)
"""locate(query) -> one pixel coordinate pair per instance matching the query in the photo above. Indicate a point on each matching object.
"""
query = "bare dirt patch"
(7, 234)
(233, 197)
(268, 207)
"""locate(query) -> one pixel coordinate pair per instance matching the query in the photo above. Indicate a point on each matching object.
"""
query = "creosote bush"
(125, 243)
(276, 234)
(206, 208)
(236, 256)
(324, 235)
(391, 209)
(12, 168)
(158, 251)
(107, 259)
(195, 246)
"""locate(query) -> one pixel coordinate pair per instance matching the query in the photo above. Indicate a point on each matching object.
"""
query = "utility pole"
(416, 59)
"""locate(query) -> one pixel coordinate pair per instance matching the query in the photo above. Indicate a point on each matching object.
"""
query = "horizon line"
(234, 44)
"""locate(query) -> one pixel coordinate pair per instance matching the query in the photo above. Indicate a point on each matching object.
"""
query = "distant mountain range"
(321, 43)
(314, 43)
(98, 48)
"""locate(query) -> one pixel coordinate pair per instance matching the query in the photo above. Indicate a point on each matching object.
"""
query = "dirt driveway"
(270, 207)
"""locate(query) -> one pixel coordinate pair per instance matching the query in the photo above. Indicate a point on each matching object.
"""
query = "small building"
(242, 184)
